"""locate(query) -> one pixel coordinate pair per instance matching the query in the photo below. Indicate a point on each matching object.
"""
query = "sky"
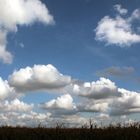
(69, 61)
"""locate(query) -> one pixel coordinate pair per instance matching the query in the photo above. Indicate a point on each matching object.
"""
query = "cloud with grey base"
(38, 77)
(128, 103)
(101, 97)
(100, 89)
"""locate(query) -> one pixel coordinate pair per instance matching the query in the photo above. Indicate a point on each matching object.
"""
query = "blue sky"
(83, 40)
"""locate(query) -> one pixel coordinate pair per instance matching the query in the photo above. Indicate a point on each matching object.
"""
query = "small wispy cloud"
(21, 45)
(116, 71)
(120, 10)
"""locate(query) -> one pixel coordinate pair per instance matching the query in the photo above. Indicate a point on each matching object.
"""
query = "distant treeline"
(117, 132)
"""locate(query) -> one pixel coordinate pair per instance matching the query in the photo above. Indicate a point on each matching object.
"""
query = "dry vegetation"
(117, 132)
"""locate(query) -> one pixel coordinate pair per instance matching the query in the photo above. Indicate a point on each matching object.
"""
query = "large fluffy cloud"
(100, 89)
(105, 97)
(19, 12)
(118, 30)
(38, 77)
(126, 104)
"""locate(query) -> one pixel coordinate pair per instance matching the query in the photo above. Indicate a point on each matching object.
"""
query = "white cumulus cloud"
(126, 104)
(19, 12)
(38, 77)
(100, 89)
(119, 30)
(101, 97)
(62, 102)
